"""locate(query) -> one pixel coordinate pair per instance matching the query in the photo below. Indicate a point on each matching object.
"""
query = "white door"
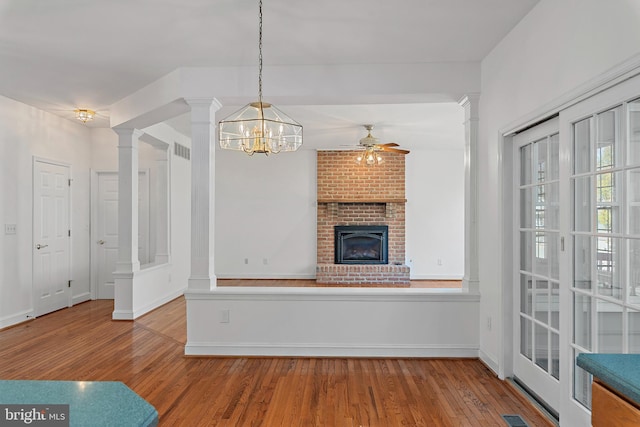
(537, 272)
(106, 230)
(107, 233)
(51, 237)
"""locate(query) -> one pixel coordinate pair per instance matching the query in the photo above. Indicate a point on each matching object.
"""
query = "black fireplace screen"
(361, 244)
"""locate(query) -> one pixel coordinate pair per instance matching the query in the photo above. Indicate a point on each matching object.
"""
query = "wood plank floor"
(82, 343)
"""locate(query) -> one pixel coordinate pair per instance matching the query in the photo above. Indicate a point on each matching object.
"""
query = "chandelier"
(259, 127)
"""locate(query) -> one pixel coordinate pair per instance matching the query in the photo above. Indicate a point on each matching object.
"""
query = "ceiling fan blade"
(389, 144)
(395, 150)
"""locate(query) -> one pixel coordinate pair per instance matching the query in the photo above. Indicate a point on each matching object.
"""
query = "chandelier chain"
(260, 57)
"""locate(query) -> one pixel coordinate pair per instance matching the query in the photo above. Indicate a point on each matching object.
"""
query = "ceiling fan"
(371, 145)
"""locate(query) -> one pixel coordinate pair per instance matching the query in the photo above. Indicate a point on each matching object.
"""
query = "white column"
(162, 197)
(202, 192)
(127, 200)
(127, 264)
(471, 281)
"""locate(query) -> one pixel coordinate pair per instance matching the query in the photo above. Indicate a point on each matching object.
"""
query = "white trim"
(17, 318)
(77, 299)
(615, 75)
(134, 314)
(435, 277)
(158, 302)
(490, 362)
(332, 294)
(272, 276)
(329, 350)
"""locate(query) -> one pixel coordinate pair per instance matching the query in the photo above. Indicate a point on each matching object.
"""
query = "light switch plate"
(10, 228)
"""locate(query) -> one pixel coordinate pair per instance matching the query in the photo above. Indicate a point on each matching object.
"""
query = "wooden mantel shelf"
(362, 200)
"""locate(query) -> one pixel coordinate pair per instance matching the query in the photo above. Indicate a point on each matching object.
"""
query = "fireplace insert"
(361, 244)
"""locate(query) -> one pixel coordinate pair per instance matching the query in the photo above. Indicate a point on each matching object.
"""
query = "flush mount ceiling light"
(84, 115)
(259, 127)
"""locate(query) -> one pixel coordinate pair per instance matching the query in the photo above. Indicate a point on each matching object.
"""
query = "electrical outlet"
(10, 228)
(489, 323)
(246, 260)
(224, 316)
(265, 261)
(439, 261)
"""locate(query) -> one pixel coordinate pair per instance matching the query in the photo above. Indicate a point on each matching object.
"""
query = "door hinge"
(562, 244)
(69, 233)
(69, 283)
(69, 181)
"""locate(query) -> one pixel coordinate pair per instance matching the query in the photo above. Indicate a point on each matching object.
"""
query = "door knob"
(39, 246)
(101, 242)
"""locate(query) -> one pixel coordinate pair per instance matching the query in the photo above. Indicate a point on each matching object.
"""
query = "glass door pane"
(606, 237)
(537, 363)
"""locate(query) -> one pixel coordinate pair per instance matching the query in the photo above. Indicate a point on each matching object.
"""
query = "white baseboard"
(328, 350)
(157, 303)
(77, 299)
(122, 315)
(17, 318)
(489, 361)
(256, 276)
(434, 277)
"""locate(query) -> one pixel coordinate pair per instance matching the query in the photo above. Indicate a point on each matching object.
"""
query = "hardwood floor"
(82, 343)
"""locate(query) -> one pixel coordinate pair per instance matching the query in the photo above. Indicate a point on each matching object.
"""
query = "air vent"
(181, 151)
(514, 421)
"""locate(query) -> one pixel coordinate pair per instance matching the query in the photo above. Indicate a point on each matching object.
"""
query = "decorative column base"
(202, 283)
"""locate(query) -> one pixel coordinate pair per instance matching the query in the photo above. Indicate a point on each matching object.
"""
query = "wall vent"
(181, 151)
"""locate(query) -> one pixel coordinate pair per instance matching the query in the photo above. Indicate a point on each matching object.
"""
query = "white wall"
(331, 322)
(265, 209)
(156, 285)
(558, 46)
(26, 132)
(435, 213)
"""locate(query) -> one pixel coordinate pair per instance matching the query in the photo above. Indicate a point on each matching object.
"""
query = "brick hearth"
(353, 194)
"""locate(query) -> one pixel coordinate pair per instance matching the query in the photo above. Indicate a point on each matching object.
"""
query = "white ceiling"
(58, 55)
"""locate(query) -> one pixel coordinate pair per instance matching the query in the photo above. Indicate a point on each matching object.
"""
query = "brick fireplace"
(357, 195)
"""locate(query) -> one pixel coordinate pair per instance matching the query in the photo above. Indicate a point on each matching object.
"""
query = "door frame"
(35, 160)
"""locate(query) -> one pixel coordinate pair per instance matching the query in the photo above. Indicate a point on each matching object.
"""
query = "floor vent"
(514, 421)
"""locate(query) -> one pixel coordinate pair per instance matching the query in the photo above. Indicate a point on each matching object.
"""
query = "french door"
(536, 297)
(577, 239)
(603, 136)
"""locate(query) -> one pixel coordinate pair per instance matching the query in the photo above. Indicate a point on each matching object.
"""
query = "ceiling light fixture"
(259, 127)
(369, 157)
(84, 115)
